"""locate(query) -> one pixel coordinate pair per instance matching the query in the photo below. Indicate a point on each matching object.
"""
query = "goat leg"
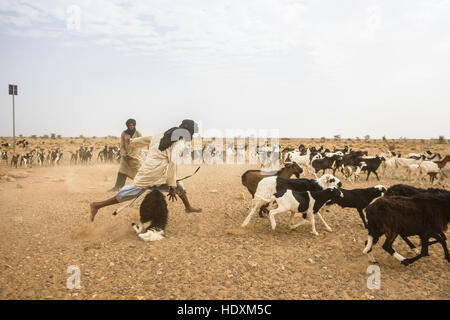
(361, 214)
(323, 221)
(423, 252)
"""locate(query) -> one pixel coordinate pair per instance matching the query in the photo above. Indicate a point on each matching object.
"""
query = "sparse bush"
(323, 139)
(441, 140)
(45, 136)
(81, 136)
(33, 136)
(59, 136)
(52, 136)
(367, 137)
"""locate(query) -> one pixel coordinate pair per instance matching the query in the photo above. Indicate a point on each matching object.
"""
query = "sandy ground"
(45, 229)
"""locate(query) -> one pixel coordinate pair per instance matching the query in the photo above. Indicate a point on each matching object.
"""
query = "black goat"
(153, 217)
(409, 191)
(326, 163)
(359, 199)
(372, 165)
(425, 214)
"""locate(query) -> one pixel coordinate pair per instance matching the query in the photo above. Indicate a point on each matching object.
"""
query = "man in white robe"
(159, 169)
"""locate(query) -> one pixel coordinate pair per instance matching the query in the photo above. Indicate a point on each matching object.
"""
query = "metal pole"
(14, 126)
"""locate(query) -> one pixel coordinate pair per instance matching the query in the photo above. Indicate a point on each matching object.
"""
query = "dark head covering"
(190, 126)
(128, 131)
(166, 140)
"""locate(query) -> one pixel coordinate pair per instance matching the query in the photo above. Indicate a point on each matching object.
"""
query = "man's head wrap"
(166, 140)
(128, 131)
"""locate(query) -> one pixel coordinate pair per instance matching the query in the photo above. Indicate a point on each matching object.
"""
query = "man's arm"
(140, 142)
(123, 145)
(174, 158)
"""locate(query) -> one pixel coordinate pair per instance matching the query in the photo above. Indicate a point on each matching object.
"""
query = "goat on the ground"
(153, 217)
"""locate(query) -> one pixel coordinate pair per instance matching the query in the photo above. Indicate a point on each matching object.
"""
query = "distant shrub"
(33, 136)
(337, 137)
(45, 136)
(367, 137)
(53, 136)
(81, 136)
(323, 139)
(441, 140)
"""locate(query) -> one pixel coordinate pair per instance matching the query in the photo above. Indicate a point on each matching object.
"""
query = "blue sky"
(305, 68)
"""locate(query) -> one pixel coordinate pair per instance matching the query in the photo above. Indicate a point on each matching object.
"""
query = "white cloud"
(202, 28)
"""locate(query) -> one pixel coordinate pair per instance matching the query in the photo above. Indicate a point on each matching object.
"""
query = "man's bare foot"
(191, 209)
(93, 211)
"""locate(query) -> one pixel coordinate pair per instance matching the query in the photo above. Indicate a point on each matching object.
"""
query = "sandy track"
(45, 228)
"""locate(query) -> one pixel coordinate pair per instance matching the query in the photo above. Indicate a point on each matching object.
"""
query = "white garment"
(159, 167)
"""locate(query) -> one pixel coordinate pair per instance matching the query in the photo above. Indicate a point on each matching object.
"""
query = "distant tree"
(391, 146)
(52, 135)
(367, 137)
(33, 136)
(59, 136)
(323, 139)
(337, 137)
(81, 136)
(441, 140)
(20, 135)
(45, 136)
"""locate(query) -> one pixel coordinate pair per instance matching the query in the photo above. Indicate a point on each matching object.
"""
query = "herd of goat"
(351, 163)
(400, 210)
(54, 157)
